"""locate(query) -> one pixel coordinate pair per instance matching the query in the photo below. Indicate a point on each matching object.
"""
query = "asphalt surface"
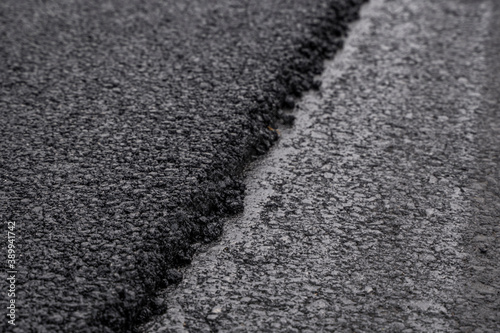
(379, 211)
(124, 129)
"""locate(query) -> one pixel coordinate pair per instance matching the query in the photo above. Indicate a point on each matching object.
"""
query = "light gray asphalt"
(379, 211)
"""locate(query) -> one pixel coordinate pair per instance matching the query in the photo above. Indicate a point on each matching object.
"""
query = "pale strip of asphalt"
(379, 210)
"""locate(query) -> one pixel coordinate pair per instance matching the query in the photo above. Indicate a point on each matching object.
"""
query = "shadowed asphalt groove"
(123, 130)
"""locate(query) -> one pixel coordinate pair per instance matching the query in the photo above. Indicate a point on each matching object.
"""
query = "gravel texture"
(380, 210)
(124, 128)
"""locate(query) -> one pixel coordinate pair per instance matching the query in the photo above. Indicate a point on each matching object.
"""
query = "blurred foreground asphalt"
(124, 127)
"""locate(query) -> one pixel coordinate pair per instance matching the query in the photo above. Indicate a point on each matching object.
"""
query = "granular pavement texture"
(124, 127)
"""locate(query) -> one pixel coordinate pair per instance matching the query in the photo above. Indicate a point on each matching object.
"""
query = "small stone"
(212, 317)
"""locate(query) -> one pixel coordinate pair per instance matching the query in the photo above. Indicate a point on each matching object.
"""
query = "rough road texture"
(124, 125)
(380, 211)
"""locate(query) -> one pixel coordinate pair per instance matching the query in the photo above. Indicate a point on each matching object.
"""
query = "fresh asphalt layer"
(124, 127)
(379, 211)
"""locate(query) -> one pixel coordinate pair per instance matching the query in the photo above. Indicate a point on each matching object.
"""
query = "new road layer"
(124, 127)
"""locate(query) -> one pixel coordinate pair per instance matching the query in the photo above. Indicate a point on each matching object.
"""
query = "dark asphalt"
(124, 127)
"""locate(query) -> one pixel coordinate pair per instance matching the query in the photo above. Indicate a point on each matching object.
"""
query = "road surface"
(379, 211)
(124, 126)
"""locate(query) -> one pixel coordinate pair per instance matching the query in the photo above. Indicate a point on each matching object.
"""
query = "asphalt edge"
(223, 194)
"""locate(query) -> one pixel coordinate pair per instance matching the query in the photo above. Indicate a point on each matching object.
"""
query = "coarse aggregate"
(379, 211)
(124, 128)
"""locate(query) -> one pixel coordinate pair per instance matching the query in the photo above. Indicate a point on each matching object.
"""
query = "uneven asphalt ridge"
(124, 127)
(380, 210)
